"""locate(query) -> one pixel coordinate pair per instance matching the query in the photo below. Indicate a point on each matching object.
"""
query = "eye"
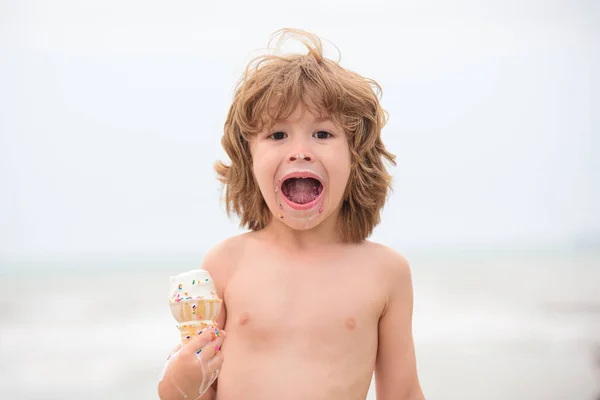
(278, 136)
(322, 135)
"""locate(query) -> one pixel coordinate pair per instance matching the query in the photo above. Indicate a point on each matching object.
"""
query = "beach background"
(110, 121)
(522, 326)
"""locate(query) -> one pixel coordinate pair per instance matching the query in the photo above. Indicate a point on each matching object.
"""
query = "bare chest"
(273, 301)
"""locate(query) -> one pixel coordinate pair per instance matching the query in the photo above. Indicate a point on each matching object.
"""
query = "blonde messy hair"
(269, 90)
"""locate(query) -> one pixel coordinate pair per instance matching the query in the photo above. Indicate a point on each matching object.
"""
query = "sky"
(111, 114)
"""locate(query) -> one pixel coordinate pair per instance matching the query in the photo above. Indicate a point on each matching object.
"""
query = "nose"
(300, 148)
(300, 157)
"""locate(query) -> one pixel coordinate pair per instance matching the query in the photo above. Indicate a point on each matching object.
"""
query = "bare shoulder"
(392, 262)
(394, 272)
(221, 259)
(225, 250)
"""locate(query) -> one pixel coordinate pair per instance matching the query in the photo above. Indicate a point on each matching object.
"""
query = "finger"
(210, 350)
(215, 363)
(212, 368)
(202, 340)
(174, 351)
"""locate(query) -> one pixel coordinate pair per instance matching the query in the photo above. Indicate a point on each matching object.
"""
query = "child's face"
(302, 166)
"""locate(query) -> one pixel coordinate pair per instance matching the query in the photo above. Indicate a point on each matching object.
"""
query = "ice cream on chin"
(194, 302)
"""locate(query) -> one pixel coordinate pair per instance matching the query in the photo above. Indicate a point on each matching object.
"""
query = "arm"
(193, 375)
(214, 262)
(187, 372)
(167, 390)
(211, 393)
(395, 369)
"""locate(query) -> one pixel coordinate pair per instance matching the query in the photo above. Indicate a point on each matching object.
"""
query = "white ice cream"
(195, 284)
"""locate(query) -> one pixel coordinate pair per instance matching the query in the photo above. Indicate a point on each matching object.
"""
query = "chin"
(302, 224)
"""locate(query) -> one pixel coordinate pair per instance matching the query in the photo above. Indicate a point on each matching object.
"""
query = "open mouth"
(301, 191)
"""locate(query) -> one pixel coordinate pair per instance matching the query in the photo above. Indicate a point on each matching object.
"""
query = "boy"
(311, 308)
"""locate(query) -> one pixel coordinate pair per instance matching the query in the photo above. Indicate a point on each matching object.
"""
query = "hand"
(192, 368)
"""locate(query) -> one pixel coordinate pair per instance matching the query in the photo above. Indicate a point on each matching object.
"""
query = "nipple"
(244, 317)
(350, 323)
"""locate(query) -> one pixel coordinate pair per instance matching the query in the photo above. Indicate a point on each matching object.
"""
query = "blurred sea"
(491, 326)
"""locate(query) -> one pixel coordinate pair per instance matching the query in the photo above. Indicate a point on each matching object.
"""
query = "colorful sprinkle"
(206, 279)
(199, 351)
(187, 337)
(194, 281)
(180, 286)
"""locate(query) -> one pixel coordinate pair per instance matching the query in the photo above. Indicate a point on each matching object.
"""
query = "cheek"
(260, 175)
(339, 182)
(264, 170)
(339, 171)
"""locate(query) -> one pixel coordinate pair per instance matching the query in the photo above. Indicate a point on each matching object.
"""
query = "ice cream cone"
(194, 303)
(195, 315)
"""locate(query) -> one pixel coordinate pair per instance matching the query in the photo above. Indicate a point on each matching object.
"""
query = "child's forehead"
(308, 111)
(303, 116)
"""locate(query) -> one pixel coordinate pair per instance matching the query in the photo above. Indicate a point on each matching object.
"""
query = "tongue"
(301, 191)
